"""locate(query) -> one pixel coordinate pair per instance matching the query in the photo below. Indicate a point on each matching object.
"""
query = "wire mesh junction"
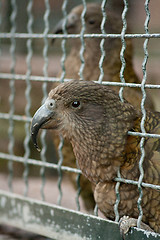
(13, 77)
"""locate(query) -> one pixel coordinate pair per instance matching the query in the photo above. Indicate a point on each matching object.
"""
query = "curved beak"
(58, 29)
(40, 120)
(70, 23)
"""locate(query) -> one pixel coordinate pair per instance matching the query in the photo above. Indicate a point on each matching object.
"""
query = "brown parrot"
(95, 121)
(111, 67)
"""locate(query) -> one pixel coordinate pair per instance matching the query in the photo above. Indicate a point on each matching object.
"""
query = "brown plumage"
(111, 68)
(96, 123)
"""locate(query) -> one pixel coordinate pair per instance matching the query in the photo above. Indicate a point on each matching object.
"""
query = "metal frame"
(51, 220)
(60, 223)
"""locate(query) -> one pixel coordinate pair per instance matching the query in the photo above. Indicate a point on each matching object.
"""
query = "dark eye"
(91, 21)
(76, 104)
(50, 104)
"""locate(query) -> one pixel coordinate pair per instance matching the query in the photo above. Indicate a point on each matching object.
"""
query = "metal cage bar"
(44, 90)
(141, 170)
(12, 94)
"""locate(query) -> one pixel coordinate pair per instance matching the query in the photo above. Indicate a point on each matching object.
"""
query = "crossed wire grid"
(29, 78)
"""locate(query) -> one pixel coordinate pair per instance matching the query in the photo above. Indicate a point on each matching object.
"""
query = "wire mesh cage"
(36, 193)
